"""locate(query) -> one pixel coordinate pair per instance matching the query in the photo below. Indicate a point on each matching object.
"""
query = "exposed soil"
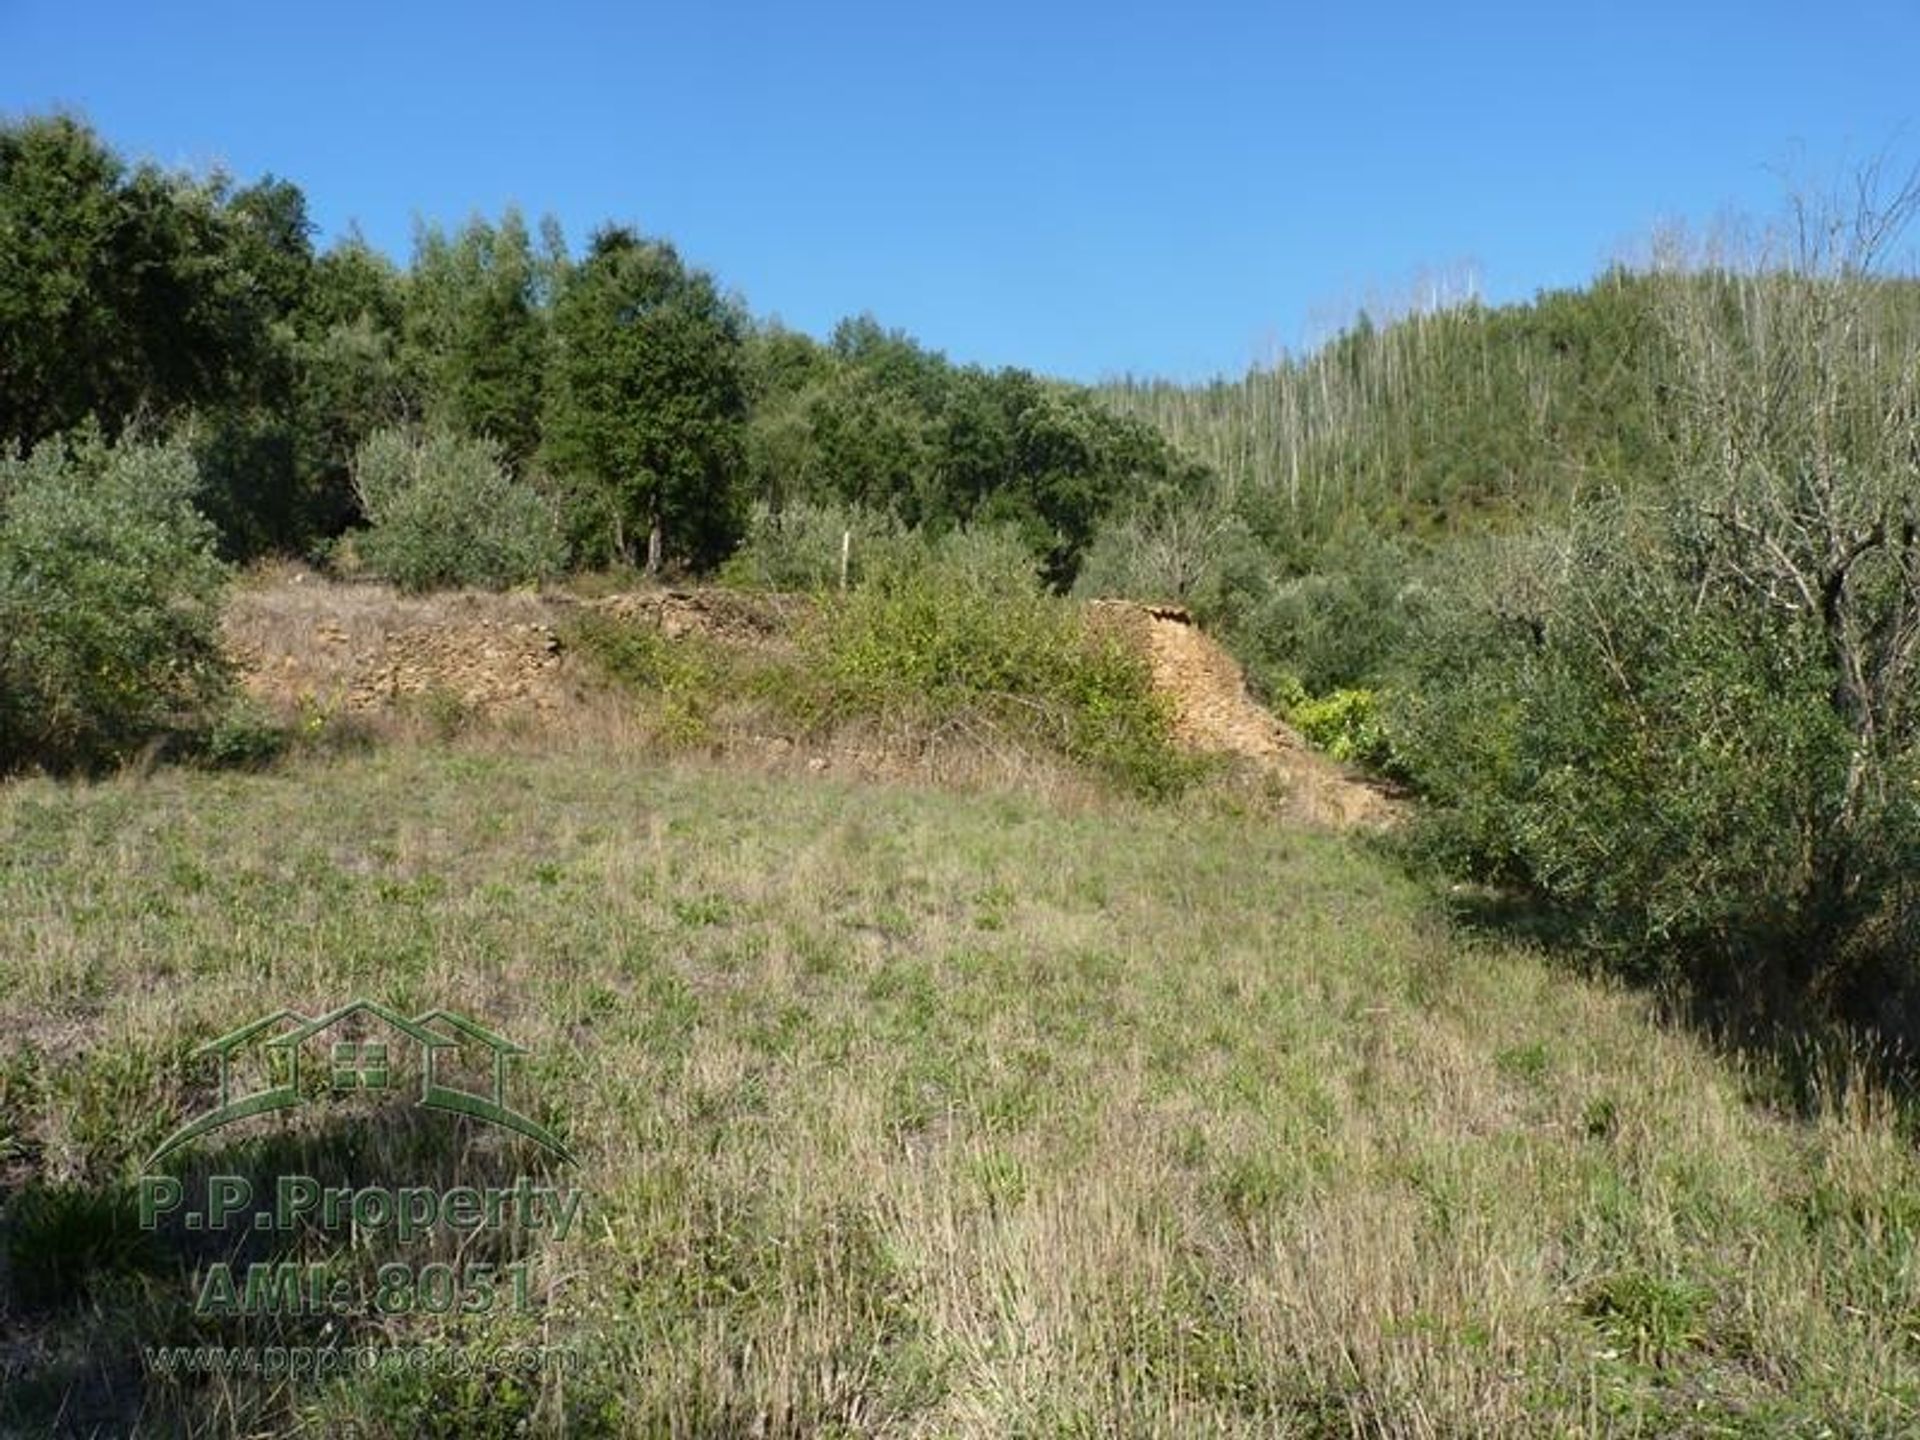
(306, 644)
(726, 615)
(304, 641)
(1214, 713)
(310, 644)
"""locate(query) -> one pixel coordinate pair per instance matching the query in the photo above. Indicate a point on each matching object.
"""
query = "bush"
(683, 678)
(443, 512)
(109, 602)
(797, 547)
(1342, 626)
(1659, 758)
(1348, 725)
(1170, 547)
(244, 736)
(959, 630)
(1302, 620)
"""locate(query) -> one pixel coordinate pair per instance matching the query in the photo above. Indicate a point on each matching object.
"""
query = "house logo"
(286, 1060)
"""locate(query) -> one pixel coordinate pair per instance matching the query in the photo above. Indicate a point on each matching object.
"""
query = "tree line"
(644, 404)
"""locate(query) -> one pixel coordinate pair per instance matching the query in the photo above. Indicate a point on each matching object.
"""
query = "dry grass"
(909, 1112)
(344, 663)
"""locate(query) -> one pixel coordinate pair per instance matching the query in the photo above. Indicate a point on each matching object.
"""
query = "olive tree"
(444, 511)
(1691, 719)
(109, 601)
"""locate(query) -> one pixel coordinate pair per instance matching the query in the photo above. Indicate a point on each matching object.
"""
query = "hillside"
(1446, 422)
(315, 653)
(576, 861)
(902, 1111)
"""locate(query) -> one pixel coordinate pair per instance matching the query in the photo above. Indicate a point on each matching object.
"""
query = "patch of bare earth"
(305, 645)
(1214, 713)
(302, 641)
(728, 616)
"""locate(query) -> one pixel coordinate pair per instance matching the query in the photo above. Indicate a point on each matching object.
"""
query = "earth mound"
(308, 645)
(1215, 713)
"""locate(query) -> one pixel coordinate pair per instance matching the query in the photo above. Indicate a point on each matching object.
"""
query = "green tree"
(784, 372)
(120, 294)
(59, 214)
(872, 445)
(1694, 720)
(895, 360)
(1071, 463)
(350, 381)
(142, 294)
(647, 404)
(475, 336)
(247, 435)
(109, 601)
(273, 238)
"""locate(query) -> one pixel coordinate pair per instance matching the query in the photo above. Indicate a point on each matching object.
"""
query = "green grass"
(1005, 671)
(904, 1111)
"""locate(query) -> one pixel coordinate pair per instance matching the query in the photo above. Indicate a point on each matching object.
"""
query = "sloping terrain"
(907, 1112)
(305, 644)
(1214, 713)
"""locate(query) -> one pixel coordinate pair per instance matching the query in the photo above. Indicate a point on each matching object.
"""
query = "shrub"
(797, 547)
(960, 631)
(1348, 725)
(1345, 624)
(1660, 758)
(443, 511)
(244, 736)
(1170, 547)
(682, 677)
(109, 602)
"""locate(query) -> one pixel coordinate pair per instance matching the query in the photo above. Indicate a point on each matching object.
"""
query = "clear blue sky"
(1082, 189)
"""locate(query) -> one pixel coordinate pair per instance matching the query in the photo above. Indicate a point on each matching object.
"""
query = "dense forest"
(1623, 582)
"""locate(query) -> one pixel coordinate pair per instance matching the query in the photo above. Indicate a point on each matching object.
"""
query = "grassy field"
(907, 1111)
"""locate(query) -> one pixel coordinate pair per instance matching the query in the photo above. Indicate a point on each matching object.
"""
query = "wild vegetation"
(950, 639)
(109, 601)
(1625, 583)
(908, 1110)
(1120, 1104)
(443, 511)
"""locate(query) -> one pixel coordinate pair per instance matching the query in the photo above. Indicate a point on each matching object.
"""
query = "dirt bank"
(305, 645)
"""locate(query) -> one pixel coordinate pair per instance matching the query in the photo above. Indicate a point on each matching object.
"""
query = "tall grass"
(948, 638)
(907, 1112)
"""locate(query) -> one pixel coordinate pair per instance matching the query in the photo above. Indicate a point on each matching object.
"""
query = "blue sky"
(1086, 190)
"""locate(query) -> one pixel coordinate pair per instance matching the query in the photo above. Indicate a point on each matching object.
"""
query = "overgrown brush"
(800, 546)
(951, 636)
(444, 512)
(109, 602)
(1692, 721)
(685, 679)
(962, 634)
